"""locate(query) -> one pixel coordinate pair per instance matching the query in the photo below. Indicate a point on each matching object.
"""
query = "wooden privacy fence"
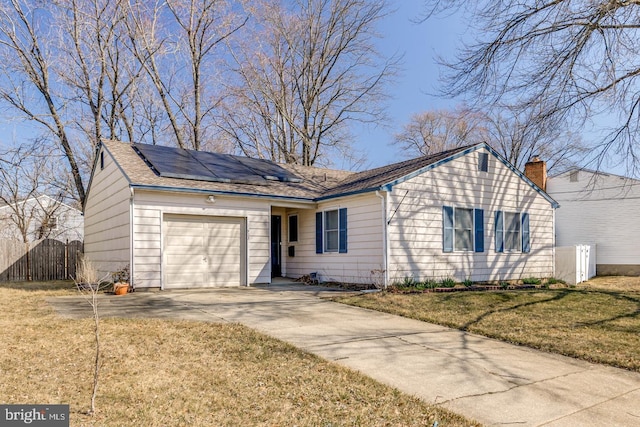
(46, 259)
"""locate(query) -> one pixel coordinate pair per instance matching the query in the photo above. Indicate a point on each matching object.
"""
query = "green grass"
(181, 373)
(594, 324)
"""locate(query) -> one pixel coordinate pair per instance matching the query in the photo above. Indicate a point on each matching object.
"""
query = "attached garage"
(203, 251)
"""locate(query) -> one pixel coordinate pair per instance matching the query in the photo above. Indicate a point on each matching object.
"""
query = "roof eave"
(389, 185)
(170, 189)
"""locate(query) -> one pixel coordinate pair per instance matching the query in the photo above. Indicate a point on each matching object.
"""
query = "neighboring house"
(195, 219)
(601, 209)
(41, 217)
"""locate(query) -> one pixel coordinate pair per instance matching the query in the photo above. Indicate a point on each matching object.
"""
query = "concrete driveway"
(490, 381)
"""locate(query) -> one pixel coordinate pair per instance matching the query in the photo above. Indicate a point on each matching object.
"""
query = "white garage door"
(202, 252)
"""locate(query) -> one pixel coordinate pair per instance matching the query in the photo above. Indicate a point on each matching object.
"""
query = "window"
(331, 231)
(462, 229)
(293, 228)
(483, 162)
(512, 232)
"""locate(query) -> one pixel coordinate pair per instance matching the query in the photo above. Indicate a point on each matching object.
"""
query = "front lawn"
(180, 373)
(598, 321)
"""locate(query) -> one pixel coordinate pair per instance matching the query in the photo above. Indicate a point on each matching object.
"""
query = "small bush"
(430, 284)
(448, 282)
(531, 281)
(504, 285)
(467, 282)
(408, 282)
(554, 281)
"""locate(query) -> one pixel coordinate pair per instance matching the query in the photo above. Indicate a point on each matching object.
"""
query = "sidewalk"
(484, 379)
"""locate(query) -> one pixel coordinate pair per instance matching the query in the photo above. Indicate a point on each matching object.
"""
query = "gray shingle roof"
(373, 179)
(315, 183)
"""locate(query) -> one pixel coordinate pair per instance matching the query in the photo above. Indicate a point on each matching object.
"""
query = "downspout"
(383, 206)
(553, 221)
(131, 263)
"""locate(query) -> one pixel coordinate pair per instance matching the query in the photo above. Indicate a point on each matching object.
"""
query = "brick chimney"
(536, 171)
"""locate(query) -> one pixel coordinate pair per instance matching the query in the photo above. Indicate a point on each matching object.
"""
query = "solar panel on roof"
(178, 163)
(228, 167)
(269, 170)
(173, 162)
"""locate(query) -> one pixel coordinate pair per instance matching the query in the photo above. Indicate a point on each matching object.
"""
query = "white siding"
(600, 209)
(415, 231)
(106, 225)
(364, 242)
(151, 206)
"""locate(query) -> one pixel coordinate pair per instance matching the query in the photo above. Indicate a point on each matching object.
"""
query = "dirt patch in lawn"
(171, 373)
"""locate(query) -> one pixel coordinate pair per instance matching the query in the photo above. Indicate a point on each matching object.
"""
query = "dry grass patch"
(179, 373)
(591, 323)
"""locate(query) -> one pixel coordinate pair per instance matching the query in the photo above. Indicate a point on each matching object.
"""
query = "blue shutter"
(479, 230)
(526, 243)
(499, 232)
(342, 226)
(318, 232)
(447, 229)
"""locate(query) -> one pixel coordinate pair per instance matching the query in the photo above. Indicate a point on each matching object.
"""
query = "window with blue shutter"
(462, 229)
(479, 230)
(331, 231)
(447, 229)
(526, 244)
(499, 227)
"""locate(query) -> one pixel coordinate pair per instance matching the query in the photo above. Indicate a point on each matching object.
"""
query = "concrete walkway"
(490, 381)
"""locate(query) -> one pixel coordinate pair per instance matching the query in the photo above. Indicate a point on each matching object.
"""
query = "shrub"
(430, 284)
(408, 282)
(467, 282)
(531, 281)
(448, 282)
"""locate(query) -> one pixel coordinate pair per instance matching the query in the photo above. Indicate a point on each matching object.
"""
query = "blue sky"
(420, 44)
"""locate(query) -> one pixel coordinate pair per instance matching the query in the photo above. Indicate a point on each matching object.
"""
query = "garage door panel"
(186, 277)
(181, 259)
(222, 249)
(203, 251)
(228, 261)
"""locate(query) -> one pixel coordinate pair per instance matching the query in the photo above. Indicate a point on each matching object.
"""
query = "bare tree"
(27, 85)
(434, 131)
(89, 284)
(516, 137)
(304, 74)
(189, 39)
(25, 176)
(572, 59)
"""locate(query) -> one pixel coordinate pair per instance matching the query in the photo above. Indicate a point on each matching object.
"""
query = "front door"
(276, 243)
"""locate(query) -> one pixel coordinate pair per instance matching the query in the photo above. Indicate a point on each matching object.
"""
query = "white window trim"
(325, 230)
(473, 228)
(504, 231)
